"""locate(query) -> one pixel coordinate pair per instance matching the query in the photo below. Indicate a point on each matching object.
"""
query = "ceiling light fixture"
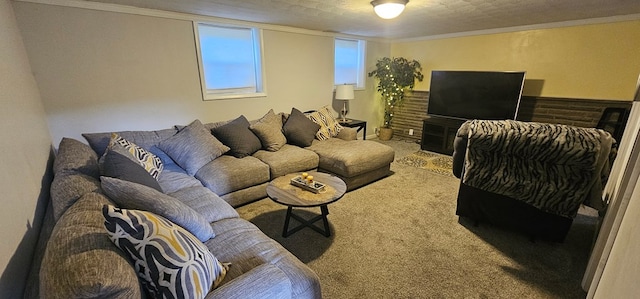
(388, 9)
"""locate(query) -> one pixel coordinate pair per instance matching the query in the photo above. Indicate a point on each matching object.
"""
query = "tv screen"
(475, 94)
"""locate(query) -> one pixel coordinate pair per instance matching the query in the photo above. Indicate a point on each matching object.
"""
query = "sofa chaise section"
(357, 162)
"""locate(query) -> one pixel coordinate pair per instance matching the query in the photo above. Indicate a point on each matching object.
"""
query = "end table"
(361, 125)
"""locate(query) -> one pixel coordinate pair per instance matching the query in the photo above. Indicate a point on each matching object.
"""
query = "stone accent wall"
(577, 112)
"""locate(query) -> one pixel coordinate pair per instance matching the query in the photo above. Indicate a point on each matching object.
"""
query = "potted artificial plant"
(394, 75)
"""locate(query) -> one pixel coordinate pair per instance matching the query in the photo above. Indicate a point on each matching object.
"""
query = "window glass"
(349, 62)
(230, 61)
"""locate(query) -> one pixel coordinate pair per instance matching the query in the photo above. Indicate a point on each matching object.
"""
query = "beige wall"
(368, 103)
(106, 71)
(593, 61)
(25, 149)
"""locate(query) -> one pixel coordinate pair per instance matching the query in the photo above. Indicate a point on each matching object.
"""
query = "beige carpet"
(400, 238)
(434, 162)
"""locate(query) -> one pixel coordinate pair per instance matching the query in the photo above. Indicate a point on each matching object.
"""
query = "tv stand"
(438, 134)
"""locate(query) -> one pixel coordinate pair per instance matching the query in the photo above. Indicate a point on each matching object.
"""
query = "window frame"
(360, 64)
(233, 93)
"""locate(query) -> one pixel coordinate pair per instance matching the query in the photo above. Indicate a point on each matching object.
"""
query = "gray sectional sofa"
(78, 259)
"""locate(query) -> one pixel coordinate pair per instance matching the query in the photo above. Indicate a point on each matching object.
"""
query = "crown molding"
(614, 19)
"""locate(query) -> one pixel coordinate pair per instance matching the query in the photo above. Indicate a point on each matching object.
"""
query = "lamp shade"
(344, 92)
(389, 9)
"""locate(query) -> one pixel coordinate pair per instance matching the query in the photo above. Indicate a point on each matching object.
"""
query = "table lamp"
(344, 93)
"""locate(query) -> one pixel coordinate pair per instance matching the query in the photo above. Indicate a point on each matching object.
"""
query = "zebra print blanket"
(552, 167)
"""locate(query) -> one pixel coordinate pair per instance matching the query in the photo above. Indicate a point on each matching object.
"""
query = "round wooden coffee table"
(281, 191)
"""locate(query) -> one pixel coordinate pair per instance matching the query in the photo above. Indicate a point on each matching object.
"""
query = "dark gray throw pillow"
(237, 135)
(116, 165)
(129, 195)
(299, 129)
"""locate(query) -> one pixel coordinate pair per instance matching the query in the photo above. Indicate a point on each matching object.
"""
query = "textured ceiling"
(421, 17)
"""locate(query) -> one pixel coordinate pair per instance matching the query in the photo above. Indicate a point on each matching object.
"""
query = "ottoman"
(356, 162)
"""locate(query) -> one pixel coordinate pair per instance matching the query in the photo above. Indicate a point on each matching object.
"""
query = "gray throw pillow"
(76, 157)
(237, 135)
(192, 147)
(299, 130)
(129, 195)
(269, 131)
(116, 165)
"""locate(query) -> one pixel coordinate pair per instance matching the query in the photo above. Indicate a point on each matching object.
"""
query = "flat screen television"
(475, 94)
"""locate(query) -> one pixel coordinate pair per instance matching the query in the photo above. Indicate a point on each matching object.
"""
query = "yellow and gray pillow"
(329, 126)
(171, 262)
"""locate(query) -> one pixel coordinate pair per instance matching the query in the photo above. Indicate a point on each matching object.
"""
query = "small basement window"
(230, 61)
(349, 62)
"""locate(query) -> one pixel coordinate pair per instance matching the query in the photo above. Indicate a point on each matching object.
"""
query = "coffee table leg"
(307, 222)
(285, 231)
(325, 212)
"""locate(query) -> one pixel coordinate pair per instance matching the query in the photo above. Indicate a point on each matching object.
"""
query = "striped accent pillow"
(329, 126)
(151, 163)
(171, 262)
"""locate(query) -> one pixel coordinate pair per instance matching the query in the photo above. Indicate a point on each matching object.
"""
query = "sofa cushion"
(76, 173)
(171, 261)
(81, 261)
(150, 162)
(130, 195)
(237, 135)
(264, 281)
(173, 177)
(352, 158)
(269, 131)
(299, 130)
(227, 174)
(247, 195)
(347, 133)
(67, 188)
(77, 157)
(329, 126)
(144, 139)
(205, 202)
(192, 147)
(252, 248)
(288, 159)
(116, 165)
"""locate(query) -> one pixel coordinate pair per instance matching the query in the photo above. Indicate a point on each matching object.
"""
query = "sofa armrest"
(348, 133)
(460, 149)
(264, 281)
